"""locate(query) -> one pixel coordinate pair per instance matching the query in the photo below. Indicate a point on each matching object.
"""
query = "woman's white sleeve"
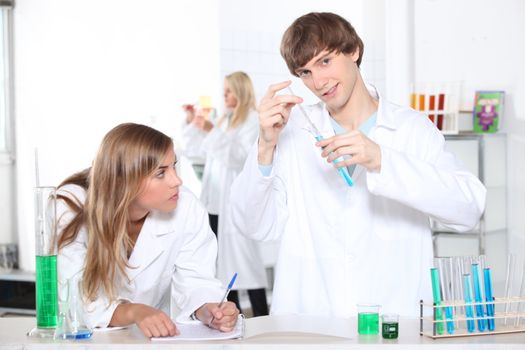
(193, 281)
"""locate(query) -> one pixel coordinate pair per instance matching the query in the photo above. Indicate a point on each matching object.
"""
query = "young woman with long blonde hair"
(226, 145)
(140, 240)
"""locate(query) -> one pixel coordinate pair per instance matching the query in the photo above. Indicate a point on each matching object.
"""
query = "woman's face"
(159, 191)
(230, 100)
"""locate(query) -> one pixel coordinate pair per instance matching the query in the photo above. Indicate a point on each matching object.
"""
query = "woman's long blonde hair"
(128, 154)
(242, 87)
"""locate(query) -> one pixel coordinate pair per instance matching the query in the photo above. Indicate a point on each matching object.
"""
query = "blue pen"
(343, 171)
(230, 285)
(467, 290)
(477, 297)
(488, 297)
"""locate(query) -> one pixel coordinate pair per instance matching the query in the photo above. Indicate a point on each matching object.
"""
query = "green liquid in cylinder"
(368, 323)
(46, 291)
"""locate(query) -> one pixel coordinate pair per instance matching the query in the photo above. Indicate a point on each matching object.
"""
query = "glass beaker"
(71, 323)
(368, 318)
(390, 326)
(46, 262)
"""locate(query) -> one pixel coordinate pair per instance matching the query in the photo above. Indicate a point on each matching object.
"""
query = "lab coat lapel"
(324, 124)
(148, 246)
(385, 119)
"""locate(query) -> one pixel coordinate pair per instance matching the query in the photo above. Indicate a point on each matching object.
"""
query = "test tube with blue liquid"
(446, 280)
(480, 314)
(488, 298)
(343, 171)
(469, 312)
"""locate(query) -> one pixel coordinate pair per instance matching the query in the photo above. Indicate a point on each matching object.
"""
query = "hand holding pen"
(223, 315)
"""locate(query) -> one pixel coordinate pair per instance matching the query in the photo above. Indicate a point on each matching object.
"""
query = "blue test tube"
(488, 297)
(478, 298)
(467, 290)
(450, 316)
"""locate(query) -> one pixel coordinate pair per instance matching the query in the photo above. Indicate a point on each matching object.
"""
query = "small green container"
(390, 330)
(390, 326)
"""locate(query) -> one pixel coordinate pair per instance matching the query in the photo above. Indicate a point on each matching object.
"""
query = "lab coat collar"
(384, 117)
(322, 119)
(149, 243)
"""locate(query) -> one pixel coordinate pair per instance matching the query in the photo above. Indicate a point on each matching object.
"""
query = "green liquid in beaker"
(46, 291)
(390, 330)
(368, 323)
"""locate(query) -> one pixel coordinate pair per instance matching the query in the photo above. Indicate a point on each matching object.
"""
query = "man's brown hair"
(314, 32)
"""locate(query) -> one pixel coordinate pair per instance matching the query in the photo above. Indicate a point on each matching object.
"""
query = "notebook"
(196, 330)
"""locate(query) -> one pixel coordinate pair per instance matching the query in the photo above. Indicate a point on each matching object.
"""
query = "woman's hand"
(223, 318)
(190, 112)
(152, 322)
(202, 123)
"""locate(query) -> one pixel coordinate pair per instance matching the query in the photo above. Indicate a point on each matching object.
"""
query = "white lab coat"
(172, 263)
(226, 151)
(192, 136)
(371, 242)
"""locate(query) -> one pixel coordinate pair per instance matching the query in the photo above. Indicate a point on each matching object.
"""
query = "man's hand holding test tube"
(343, 171)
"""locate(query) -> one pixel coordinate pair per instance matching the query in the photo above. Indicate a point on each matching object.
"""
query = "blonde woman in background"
(226, 146)
(140, 240)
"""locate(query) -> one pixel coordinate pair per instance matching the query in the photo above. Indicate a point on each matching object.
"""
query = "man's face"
(331, 77)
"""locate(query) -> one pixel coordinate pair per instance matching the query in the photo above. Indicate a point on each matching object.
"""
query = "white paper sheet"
(196, 330)
(108, 329)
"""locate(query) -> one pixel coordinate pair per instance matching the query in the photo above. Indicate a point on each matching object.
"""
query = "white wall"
(475, 41)
(81, 67)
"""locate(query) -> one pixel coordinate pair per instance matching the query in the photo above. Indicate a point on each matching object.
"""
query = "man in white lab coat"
(342, 245)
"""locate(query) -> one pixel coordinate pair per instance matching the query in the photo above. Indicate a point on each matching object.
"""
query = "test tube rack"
(506, 321)
(440, 102)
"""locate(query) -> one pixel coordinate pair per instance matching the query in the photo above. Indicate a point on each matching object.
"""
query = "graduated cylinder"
(46, 257)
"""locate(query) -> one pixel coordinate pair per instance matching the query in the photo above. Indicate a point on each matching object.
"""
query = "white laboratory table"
(13, 336)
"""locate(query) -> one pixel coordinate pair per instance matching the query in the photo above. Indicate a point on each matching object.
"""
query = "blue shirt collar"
(365, 127)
